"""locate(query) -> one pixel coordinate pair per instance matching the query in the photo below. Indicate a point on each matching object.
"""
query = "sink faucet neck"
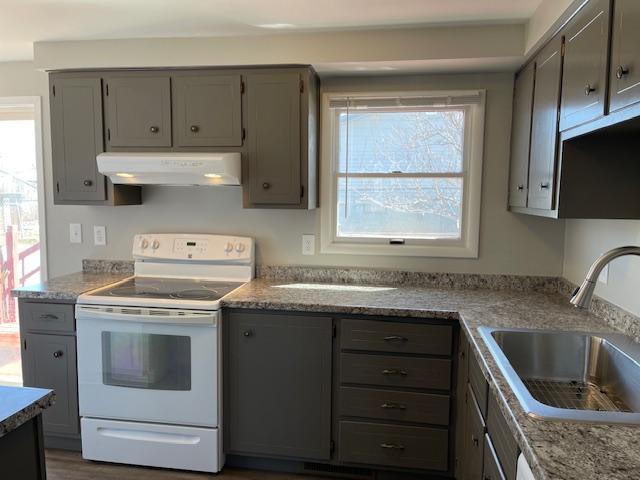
(582, 297)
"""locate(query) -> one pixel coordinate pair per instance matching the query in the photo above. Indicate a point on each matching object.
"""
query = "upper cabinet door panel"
(273, 130)
(585, 74)
(139, 111)
(521, 136)
(544, 127)
(208, 110)
(625, 54)
(77, 138)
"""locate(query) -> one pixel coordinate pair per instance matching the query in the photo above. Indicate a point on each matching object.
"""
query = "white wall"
(508, 243)
(546, 20)
(587, 239)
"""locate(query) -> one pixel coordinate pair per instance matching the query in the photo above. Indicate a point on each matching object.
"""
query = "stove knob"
(144, 243)
(155, 245)
(228, 247)
(240, 247)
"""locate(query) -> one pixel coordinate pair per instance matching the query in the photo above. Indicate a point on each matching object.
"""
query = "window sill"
(446, 251)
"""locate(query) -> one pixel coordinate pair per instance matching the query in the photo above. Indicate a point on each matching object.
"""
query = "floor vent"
(338, 471)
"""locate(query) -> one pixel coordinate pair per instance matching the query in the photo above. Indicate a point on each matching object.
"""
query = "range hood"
(170, 168)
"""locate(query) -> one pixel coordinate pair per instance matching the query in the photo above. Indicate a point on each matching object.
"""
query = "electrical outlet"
(75, 232)
(99, 235)
(604, 275)
(308, 244)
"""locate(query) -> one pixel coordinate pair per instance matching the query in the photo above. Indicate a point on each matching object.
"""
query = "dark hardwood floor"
(65, 465)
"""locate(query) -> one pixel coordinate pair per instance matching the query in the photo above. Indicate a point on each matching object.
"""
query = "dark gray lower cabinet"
(51, 363)
(278, 384)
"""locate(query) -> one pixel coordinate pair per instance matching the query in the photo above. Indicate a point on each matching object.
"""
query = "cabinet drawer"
(392, 405)
(492, 469)
(505, 445)
(478, 384)
(393, 445)
(395, 337)
(392, 371)
(50, 317)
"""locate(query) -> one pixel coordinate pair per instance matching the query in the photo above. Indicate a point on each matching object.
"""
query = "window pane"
(405, 141)
(420, 208)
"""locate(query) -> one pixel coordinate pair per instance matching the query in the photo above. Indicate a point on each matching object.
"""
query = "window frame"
(466, 246)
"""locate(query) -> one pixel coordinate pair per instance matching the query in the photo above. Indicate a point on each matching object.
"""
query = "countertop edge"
(28, 412)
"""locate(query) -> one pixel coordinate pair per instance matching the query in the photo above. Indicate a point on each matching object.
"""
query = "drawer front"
(380, 336)
(391, 371)
(396, 406)
(478, 383)
(50, 317)
(394, 446)
(504, 444)
(491, 469)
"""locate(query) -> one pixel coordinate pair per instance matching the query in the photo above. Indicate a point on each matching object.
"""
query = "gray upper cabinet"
(207, 110)
(273, 125)
(625, 54)
(138, 111)
(76, 139)
(521, 136)
(585, 72)
(50, 362)
(544, 128)
(278, 385)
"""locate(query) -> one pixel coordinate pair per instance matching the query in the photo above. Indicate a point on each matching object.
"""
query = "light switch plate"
(99, 235)
(308, 244)
(75, 232)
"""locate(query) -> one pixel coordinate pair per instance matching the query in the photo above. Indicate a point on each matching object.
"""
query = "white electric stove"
(149, 353)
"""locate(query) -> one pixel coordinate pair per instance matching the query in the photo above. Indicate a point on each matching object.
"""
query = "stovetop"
(168, 289)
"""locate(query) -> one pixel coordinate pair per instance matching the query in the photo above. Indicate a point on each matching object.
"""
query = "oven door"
(149, 365)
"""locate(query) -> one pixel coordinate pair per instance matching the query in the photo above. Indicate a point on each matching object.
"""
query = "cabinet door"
(51, 363)
(279, 383)
(625, 54)
(584, 78)
(474, 439)
(77, 138)
(138, 111)
(273, 135)
(521, 136)
(208, 110)
(544, 128)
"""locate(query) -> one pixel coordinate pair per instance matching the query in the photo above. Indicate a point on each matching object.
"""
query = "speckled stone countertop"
(555, 450)
(18, 405)
(68, 287)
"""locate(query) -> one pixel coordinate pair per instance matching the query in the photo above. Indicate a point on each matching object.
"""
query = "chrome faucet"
(581, 297)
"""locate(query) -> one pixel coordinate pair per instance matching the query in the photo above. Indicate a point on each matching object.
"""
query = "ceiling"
(23, 22)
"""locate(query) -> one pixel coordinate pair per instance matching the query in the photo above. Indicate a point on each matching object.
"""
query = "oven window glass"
(146, 360)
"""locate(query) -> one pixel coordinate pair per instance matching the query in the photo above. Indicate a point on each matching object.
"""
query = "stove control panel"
(196, 247)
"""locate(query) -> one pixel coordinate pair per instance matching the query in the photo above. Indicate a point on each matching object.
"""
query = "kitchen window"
(402, 172)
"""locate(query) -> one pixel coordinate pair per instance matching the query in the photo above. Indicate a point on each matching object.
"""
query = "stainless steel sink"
(568, 375)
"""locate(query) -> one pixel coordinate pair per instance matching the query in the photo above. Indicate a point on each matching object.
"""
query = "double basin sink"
(570, 376)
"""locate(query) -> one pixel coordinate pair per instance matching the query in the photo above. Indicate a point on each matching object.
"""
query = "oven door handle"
(146, 315)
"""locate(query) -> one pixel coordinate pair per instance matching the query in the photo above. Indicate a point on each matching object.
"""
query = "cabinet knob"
(266, 185)
(520, 187)
(475, 440)
(154, 129)
(58, 353)
(247, 333)
(588, 89)
(621, 72)
(194, 128)
(544, 186)
(87, 183)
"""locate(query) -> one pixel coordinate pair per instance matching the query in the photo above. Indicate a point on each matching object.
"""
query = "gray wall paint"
(587, 239)
(508, 243)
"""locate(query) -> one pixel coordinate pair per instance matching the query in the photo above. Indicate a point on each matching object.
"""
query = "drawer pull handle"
(48, 316)
(394, 371)
(621, 72)
(58, 354)
(395, 338)
(588, 89)
(392, 446)
(393, 406)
